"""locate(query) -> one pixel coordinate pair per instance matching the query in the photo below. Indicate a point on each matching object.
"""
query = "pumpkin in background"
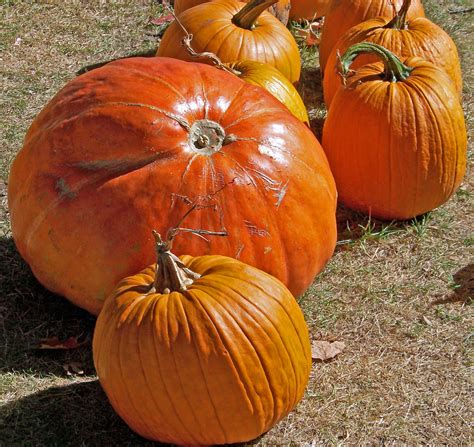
(280, 9)
(128, 146)
(395, 137)
(414, 37)
(308, 9)
(274, 82)
(235, 31)
(207, 351)
(344, 14)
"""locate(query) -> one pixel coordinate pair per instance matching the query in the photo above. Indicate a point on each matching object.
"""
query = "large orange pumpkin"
(280, 10)
(344, 14)
(205, 351)
(128, 146)
(235, 31)
(395, 137)
(308, 9)
(415, 37)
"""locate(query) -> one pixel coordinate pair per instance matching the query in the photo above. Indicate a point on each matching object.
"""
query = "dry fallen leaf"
(162, 20)
(325, 350)
(55, 343)
(73, 368)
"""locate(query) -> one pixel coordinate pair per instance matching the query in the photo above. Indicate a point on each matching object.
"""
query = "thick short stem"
(249, 14)
(395, 70)
(400, 20)
(171, 274)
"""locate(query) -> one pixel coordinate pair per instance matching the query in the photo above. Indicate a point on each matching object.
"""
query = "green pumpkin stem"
(249, 14)
(400, 20)
(395, 70)
(171, 274)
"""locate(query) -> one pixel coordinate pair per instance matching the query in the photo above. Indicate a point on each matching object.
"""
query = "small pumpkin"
(130, 145)
(395, 136)
(273, 81)
(201, 351)
(308, 9)
(235, 31)
(414, 37)
(280, 10)
(344, 14)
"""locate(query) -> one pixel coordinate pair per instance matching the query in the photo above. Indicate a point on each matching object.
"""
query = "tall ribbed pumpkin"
(395, 137)
(235, 31)
(280, 10)
(129, 146)
(414, 37)
(201, 351)
(344, 14)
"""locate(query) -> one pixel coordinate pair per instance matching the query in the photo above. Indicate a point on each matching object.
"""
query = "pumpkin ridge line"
(262, 311)
(245, 335)
(188, 295)
(160, 369)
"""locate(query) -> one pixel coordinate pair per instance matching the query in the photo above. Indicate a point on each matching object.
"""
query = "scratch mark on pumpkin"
(254, 231)
(239, 251)
(64, 190)
(267, 250)
(280, 195)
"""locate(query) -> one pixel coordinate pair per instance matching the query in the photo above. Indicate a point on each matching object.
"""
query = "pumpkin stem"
(249, 14)
(395, 70)
(400, 20)
(171, 274)
(186, 42)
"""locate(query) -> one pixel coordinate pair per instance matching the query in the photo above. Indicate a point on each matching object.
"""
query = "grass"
(398, 294)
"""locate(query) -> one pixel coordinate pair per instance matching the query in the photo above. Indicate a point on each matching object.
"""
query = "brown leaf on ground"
(73, 368)
(325, 350)
(162, 20)
(55, 343)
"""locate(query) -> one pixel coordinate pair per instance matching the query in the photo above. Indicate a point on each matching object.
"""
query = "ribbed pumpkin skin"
(106, 161)
(212, 29)
(402, 151)
(280, 10)
(308, 9)
(273, 81)
(422, 38)
(219, 363)
(344, 14)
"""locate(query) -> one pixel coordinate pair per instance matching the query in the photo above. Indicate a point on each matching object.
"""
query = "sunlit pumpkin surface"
(421, 37)
(344, 14)
(213, 29)
(221, 362)
(117, 153)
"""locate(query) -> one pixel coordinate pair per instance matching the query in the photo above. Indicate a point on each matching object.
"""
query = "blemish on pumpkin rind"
(64, 190)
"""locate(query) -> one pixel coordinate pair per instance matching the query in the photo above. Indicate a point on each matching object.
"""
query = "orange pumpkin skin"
(280, 10)
(402, 152)
(344, 14)
(268, 42)
(273, 81)
(308, 9)
(221, 362)
(108, 159)
(421, 38)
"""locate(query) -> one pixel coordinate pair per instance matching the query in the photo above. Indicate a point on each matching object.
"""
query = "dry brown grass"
(399, 295)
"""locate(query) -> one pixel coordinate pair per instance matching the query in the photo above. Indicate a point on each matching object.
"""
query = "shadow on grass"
(91, 67)
(310, 89)
(464, 287)
(76, 414)
(28, 313)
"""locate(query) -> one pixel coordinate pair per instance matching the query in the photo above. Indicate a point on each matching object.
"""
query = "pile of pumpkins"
(211, 347)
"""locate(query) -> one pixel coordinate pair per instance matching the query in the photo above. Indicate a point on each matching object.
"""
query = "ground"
(398, 295)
